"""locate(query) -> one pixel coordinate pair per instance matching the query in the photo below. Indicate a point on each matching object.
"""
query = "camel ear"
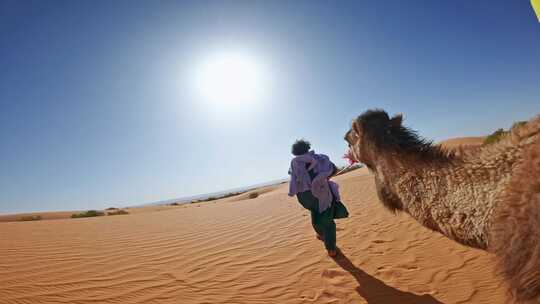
(356, 127)
(396, 120)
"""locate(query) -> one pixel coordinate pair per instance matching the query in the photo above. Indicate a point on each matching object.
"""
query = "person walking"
(310, 183)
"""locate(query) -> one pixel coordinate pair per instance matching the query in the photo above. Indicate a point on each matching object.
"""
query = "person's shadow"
(375, 291)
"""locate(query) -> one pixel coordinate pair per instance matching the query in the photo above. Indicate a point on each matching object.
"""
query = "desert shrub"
(89, 213)
(118, 212)
(232, 194)
(213, 198)
(174, 204)
(30, 218)
(518, 124)
(253, 195)
(500, 133)
(495, 136)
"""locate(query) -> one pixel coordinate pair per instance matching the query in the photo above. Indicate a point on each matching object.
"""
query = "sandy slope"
(44, 215)
(260, 250)
(472, 141)
(55, 215)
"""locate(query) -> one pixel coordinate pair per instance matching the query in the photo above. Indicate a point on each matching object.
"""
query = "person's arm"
(292, 182)
(334, 171)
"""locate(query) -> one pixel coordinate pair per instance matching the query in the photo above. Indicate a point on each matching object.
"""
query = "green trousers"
(323, 223)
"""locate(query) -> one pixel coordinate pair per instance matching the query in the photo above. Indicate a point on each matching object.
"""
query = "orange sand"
(240, 250)
(463, 142)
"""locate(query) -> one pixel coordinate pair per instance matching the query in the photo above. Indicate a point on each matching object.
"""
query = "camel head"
(385, 146)
(374, 135)
(372, 131)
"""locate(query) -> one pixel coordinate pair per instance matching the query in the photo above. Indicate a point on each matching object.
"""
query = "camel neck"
(428, 190)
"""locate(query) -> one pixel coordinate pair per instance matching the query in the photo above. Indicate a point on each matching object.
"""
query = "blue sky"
(97, 106)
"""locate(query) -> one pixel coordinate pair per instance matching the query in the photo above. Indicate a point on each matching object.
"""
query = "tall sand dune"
(259, 250)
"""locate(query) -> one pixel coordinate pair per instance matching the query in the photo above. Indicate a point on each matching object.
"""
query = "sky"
(98, 106)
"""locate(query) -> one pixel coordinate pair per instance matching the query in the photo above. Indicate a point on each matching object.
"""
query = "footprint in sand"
(334, 289)
(333, 276)
(389, 274)
(409, 267)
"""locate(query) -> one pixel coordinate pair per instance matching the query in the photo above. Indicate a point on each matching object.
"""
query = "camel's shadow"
(375, 291)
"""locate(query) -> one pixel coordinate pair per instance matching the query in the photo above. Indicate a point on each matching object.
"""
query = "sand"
(242, 250)
(472, 141)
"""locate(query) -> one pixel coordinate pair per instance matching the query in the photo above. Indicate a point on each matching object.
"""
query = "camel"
(487, 197)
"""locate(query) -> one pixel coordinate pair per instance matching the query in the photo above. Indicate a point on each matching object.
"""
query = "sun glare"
(230, 79)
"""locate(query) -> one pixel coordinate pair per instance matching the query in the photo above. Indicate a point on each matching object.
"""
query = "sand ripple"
(258, 250)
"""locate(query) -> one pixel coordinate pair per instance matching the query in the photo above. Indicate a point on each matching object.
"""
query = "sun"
(230, 78)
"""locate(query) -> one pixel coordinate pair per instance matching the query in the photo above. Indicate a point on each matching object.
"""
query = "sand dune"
(260, 250)
(43, 215)
(472, 141)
